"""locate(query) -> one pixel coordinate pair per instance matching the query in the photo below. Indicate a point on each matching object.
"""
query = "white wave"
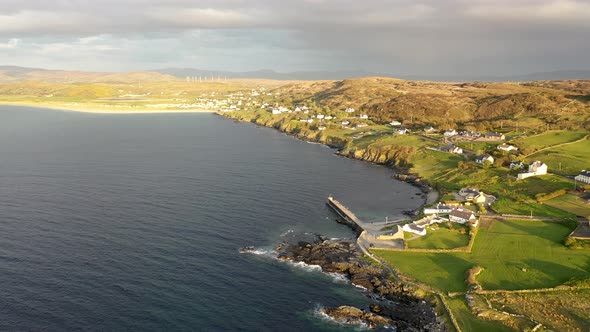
(359, 286)
(338, 278)
(260, 252)
(319, 312)
(289, 231)
(306, 267)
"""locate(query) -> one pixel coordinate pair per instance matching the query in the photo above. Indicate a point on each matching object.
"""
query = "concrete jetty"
(370, 235)
(347, 216)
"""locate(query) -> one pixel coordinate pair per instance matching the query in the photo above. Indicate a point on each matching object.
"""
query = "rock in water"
(351, 315)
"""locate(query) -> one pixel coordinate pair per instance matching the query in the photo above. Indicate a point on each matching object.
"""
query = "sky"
(405, 37)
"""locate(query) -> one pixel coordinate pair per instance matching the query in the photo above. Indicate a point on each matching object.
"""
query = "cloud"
(406, 36)
(12, 43)
(564, 12)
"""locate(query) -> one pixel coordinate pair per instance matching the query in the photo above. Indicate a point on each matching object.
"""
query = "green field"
(553, 137)
(567, 159)
(514, 255)
(560, 311)
(469, 322)
(507, 206)
(572, 204)
(438, 237)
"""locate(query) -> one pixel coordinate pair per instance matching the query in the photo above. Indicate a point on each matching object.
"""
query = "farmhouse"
(461, 216)
(535, 168)
(483, 159)
(507, 147)
(583, 177)
(349, 110)
(395, 123)
(363, 116)
(469, 134)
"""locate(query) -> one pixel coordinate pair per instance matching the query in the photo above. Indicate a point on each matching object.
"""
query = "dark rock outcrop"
(394, 301)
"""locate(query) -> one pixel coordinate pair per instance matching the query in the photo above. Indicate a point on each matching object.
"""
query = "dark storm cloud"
(400, 36)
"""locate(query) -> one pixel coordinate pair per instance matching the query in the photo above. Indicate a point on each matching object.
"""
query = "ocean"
(134, 222)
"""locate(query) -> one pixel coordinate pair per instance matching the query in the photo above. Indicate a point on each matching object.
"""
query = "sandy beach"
(84, 108)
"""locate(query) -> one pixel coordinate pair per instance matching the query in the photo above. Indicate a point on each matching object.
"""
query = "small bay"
(134, 222)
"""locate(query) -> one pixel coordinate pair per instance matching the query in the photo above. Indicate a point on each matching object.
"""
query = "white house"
(452, 149)
(363, 116)
(320, 116)
(583, 177)
(402, 131)
(507, 147)
(349, 110)
(429, 129)
(321, 128)
(413, 228)
(438, 209)
(395, 123)
(276, 111)
(361, 125)
(461, 216)
(345, 123)
(469, 194)
(535, 168)
(450, 133)
(483, 159)
(328, 117)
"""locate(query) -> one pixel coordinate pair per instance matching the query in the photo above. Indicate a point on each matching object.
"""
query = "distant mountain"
(183, 73)
(14, 74)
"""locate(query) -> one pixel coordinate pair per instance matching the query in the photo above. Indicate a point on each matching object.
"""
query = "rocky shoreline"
(394, 304)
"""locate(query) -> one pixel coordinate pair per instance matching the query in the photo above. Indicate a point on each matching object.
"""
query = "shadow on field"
(554, 273)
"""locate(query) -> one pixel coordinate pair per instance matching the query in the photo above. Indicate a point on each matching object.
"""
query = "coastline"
(98, 110)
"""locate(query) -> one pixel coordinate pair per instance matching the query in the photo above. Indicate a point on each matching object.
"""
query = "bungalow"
(452, 149)
(450, 133)
(481, 198)
(402, 131)
(413, 228)
(461, 216)
(321, 128)
(516, 165)
(395, 123)
(363, 116)
(309, 120)
(535, 168)
(320, 116)
(583, 177)
(361, 125)
(430, 129)
(483, 159)
(328, 117)
(507, 147)
(469, 134)
(494, 136)
(276, 111)
(349, 110)
(469, 194)
(345, 123)
(438, 209)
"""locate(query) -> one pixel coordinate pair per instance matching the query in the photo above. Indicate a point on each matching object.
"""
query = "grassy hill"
(479, 106)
